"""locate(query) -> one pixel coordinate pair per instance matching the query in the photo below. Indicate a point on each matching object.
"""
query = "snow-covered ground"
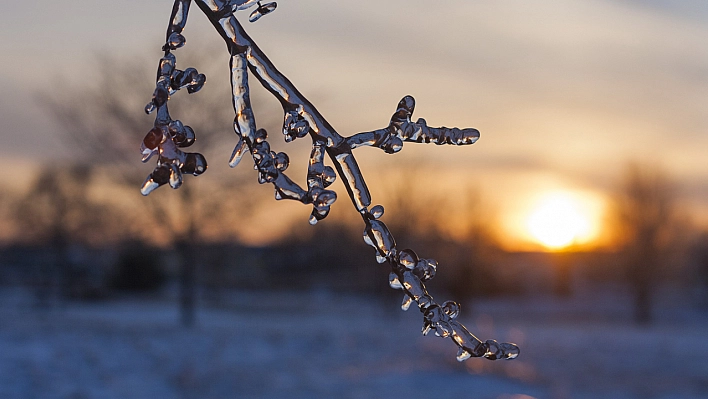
(324, 345)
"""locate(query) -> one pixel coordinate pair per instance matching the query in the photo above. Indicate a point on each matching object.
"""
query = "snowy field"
(322, 345)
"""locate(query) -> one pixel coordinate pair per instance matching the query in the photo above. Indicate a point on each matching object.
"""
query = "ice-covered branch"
(301, 118)
(167, 136)
(408, 273)
(400, 129)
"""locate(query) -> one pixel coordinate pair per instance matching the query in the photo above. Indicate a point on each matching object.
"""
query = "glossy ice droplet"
(367, 239)
(509, 350)
(194, 164)
(238, 152)
(379, 237)
(196, 84)
(425, 269)
(282, 161)
(377, 211)
(496, 350)
(406, 304)
(153, 138)
(175, 176)
(176, 40)
(148, 186)
(394, 282)
(493, 350)
(463, 355)
(325, 198)
(407, 258)
(451, 309)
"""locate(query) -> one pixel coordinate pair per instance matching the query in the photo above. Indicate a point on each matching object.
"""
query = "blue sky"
(564, 93)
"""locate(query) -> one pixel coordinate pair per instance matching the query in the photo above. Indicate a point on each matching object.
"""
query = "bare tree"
(59, 211)
(647, 215)
(102, 128)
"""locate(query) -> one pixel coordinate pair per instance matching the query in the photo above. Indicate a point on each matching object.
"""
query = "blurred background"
(577, 226)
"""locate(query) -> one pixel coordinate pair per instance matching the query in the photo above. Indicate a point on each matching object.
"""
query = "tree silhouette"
(646, 207)
(101, 130)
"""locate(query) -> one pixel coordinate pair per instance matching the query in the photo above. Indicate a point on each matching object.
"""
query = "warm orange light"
(559, 220)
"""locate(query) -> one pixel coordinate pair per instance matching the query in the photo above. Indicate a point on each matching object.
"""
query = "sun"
(559, 220)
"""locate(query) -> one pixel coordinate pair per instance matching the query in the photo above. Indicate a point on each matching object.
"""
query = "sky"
(565, 94)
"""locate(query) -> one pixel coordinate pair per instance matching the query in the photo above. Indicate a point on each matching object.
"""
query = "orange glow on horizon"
(557, 221)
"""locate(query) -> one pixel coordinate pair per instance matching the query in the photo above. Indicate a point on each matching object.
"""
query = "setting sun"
(558, 220)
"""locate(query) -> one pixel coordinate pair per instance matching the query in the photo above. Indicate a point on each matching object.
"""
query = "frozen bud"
(186, 137)
(394, 145)
(194, 164)
(317, 215)
(377, 211)
(404, 110)
(425, 269)
(509, 350)
(175, 41)
(282, 161)
(313, 219)
(196, 84)
(406, 304)
(394, 282)
(407, 258)
(463, 355)
(158, 177)
(153, 138)
(237, 154)
(325, 199)
(189, 76)
(407, 103)
(451, 308)
(261, 136)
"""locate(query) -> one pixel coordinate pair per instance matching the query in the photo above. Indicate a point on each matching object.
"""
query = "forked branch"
(301, 118)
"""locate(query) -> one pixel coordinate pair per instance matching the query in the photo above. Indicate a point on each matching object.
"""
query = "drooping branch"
(408, 271)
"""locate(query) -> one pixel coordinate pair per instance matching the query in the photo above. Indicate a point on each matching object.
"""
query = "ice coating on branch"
(409, 272)
(167, 135)
(263, 9)
(401, 128)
